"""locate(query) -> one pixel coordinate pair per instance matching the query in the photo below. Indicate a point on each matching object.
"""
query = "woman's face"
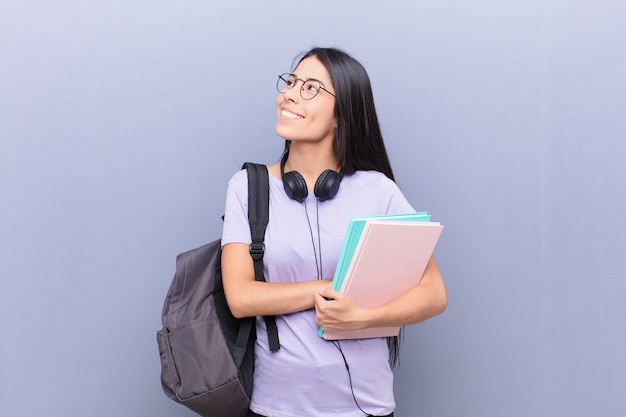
(307, 120)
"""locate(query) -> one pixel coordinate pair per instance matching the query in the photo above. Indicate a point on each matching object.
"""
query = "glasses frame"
(284, 78)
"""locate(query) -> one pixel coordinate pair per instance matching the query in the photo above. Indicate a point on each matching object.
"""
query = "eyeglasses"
(309, 89)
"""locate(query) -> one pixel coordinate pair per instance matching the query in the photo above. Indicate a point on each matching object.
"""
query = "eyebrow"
(307, 79)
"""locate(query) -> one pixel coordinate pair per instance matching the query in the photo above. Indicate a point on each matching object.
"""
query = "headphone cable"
(318, 267)
(345, 361)
(319, 238)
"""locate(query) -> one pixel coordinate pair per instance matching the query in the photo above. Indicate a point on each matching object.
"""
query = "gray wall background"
(121, 122)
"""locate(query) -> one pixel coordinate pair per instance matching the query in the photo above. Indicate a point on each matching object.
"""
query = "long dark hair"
(358, 143)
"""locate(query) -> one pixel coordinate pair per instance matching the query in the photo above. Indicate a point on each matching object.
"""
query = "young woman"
(334, 167)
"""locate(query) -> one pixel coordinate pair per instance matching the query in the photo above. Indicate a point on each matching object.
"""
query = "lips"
(287, 114)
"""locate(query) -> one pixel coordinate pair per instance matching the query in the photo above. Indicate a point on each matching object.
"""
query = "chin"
(285, 133)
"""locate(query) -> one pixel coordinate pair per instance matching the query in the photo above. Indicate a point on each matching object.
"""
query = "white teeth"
(290, 115)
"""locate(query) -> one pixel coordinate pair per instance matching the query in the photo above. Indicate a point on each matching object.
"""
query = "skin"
(310, 126)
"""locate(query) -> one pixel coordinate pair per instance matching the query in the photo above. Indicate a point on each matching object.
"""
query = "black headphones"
(326, 186)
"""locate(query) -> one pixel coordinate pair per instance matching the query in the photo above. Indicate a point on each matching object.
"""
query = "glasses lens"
(285, 81)
(310, 89)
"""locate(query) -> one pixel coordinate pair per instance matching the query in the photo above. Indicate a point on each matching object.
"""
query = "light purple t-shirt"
(307, 376)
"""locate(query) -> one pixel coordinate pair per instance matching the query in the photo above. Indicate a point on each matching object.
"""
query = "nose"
(292, 94)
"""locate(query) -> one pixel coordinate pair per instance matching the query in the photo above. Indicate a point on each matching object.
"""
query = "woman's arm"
(247, 297)
(425, 300)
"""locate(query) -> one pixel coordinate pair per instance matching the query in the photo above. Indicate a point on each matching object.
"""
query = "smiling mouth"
(289, 115)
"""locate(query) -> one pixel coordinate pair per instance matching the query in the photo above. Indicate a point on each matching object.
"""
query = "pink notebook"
(389, 259)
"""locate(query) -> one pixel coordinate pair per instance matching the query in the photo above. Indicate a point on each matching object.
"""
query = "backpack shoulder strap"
(258, 217)
(258, 213)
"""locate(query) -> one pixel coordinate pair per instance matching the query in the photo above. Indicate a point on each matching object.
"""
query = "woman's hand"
(425, 300)
(335, 311)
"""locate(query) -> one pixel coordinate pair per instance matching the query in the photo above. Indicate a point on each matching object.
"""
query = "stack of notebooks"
(382, 258)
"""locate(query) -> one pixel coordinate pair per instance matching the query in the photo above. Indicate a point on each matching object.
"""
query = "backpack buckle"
(257, 248)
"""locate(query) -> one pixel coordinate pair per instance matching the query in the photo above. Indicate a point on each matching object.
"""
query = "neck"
(310, 160)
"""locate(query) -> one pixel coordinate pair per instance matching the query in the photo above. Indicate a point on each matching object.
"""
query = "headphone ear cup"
(327, 185)
(295, 186)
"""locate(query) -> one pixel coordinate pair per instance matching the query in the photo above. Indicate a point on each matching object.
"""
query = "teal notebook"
(353, 235)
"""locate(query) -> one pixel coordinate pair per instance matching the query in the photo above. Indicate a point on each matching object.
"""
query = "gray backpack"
(207, 355)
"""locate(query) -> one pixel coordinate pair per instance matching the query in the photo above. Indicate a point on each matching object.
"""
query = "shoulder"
(371, 179)
(237, 190)
(373, 187)
(238, 184)
(239, 177)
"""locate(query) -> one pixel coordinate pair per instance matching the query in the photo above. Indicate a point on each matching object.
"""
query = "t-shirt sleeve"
(236, 228)
(397, 202)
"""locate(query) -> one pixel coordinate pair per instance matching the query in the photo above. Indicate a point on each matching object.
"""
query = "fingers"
(332, 309)
(329, 293)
